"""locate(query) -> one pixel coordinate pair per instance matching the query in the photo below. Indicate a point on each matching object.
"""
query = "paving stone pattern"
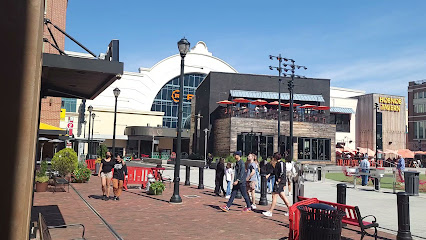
(141, 216)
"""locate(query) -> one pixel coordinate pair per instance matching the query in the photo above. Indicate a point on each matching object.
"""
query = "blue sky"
(376, 46)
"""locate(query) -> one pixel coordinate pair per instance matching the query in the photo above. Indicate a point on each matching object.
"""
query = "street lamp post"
(279, 68)
(93, 126)
(116, 94)
(90, 108)
(376, 107)
(183, 46)
(206, 130)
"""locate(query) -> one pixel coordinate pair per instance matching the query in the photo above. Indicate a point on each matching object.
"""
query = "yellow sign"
(175, 96)
(63, 113)
(390, 104)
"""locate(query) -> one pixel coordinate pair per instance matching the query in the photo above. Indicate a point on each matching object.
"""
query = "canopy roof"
(274, 95)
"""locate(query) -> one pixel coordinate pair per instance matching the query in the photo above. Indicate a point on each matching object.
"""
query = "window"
(314, 149)
(70, 104)
(163, 102)
(342, 122)
(416, 95)
(420, 94)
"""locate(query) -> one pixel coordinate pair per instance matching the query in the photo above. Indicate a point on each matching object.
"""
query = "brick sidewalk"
(141, 216)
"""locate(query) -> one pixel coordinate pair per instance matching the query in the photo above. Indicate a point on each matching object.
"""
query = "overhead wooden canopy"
(74, 77)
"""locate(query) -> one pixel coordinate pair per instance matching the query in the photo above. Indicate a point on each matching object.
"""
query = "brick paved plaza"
(141, 216)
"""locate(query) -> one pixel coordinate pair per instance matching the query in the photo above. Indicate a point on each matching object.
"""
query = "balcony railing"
(314, 116)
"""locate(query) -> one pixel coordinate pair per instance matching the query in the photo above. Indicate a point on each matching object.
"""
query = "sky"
(375, 46)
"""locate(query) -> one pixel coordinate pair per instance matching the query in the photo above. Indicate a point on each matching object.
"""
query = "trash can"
(320, 221)
(319, 172)
(411, 179)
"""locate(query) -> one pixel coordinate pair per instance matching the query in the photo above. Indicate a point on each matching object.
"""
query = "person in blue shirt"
(401, 166)
(365, 168)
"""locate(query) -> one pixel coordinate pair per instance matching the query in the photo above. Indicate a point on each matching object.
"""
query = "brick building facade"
(55, 10)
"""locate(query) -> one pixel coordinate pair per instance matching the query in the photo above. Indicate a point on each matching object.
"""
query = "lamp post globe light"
(116, 94)
(90, 109)
(183, 46)
(93, 126)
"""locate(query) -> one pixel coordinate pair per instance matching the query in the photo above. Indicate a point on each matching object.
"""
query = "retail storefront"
(241, 113)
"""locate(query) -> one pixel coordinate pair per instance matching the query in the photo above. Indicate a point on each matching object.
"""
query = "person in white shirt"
(229, 174)
(290, 174)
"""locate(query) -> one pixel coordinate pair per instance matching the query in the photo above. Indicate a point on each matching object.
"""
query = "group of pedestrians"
(106, 174)
(246, 178)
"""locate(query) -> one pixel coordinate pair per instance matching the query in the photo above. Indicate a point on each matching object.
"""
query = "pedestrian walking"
(229, 173)
(279, 170)
(251, 180)
(220, 173)
(239, 184)
(270, 177)
(290, 174)
(209, 160)
(400, 166)
(257, 173)
(105, 174)
(119, 175)
(365, 169)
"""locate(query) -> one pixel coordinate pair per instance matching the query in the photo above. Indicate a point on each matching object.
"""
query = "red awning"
(307, 106)
(259, 102)
(406, 153)
(276, 103)
(294, 105)
(322, 108)
(226, 102)
(241, 100)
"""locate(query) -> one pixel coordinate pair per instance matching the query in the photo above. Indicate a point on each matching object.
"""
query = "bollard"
(263, 201)
(376, 184)
(295, 190)
(319, 173)
(201, 178)
(187, 175)
(403, 203)
(341, 193)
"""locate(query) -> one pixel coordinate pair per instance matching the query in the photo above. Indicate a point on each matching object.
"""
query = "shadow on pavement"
(147, 196)
(51, 214)
(98, 197)
(278, 222)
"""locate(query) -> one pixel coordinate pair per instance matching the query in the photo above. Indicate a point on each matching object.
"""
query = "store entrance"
(256, 143)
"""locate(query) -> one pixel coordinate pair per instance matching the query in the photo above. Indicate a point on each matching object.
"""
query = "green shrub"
(82, 173)
(41, 179)
(231, 159)
(156, 188)
(65, 161)
(43, 169)
(102, 150)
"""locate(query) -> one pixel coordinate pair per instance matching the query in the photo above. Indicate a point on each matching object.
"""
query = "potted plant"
(102, 150)
(65, 162)
(82, 173)
(156, 188)
(41, 179)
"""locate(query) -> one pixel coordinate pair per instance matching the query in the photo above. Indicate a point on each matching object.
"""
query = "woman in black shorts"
(105, 173)
(279, 172)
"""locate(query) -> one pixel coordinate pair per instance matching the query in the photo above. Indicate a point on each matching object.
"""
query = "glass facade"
(70, 104)
(314, 149)
(342, 121)
(255, 143)
(167, 102)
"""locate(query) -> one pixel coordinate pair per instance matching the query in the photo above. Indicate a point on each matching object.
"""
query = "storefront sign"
(175, 96)
(390, 104)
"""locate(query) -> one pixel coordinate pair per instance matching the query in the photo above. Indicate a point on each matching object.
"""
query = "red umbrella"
(259, 102)
(322, 108)
(307, 106)
(241, 100)
(294, 105)
(276, 103)
(226, 102)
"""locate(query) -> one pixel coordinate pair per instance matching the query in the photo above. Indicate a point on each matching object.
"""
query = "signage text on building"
(175, 96)
(390, 104)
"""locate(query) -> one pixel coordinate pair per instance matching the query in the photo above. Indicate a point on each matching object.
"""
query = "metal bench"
(43, 229)
(353, 217)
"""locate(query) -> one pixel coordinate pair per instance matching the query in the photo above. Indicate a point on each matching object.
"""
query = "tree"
(102, 150)
(65, 161)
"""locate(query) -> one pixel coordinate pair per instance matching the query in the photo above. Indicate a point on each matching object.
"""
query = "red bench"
(352, 217)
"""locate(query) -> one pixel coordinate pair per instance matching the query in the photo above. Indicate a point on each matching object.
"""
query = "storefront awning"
(342, 110)
(74, 77)
(274, 95)
(47, 129)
